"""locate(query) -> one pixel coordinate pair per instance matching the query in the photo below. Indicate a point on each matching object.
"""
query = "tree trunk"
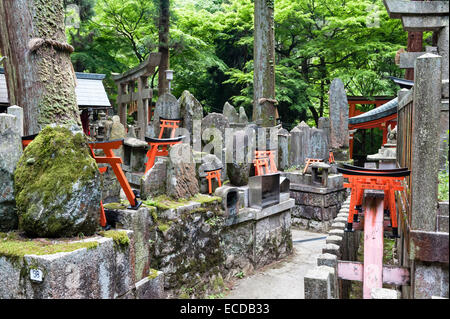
(38, 70)
(264, 111)
(164, 64)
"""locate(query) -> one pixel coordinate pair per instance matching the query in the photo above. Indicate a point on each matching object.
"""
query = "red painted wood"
(373, 245)
(349, 270)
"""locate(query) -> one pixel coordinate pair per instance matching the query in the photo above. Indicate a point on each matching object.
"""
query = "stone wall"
(102, 269)
(315, 207)
(198, 247)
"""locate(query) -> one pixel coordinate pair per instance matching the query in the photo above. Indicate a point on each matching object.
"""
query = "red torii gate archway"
(370, 121)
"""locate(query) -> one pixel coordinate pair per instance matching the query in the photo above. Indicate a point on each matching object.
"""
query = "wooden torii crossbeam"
(378, 184)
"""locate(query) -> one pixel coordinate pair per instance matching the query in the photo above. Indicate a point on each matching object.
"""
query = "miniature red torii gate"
(382, 123)
(380, 184)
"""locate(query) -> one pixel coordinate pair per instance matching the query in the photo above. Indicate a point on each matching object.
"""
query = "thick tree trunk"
(39, 73)
(264, 111)
(164, 22)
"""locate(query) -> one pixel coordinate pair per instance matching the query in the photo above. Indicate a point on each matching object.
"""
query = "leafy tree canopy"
(211, 43)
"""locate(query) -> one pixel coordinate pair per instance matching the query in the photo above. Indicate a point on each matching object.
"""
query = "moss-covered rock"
(58, 193)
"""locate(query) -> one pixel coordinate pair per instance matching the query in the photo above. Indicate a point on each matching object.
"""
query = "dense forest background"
(211, 48)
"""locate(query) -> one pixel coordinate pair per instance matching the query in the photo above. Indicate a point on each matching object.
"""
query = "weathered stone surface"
(331, 239)
(318, 283)
(332, 249)
(153, 183)
(10, 152)
(181, 176)
(299, 144)
(239, 158)
(338, 104)
(273, 239)
(190, 110)
(214, 121)
(384, 293)
(17, 111)
(230, 113)
(318, 145)
(306, 142)
(283, 149)
(117, 133)
(324, 124)
(327, 260)
(117, 129)
(430, 280)
(243, 119)
(167, 107)
(102, 272)
(57, 185)
(186, 245)
(140, 222)
(151, 288)
(424, 157)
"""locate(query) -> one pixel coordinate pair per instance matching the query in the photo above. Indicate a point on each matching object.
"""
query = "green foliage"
(211, 49)
(443, 191)
(120, 238)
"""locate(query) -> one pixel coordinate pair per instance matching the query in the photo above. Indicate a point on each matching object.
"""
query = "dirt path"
(282, 280)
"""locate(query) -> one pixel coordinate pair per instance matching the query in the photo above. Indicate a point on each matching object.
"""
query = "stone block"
(151, 287)
(425, 159)
(326, 259)
(430, 280)
(443, 224)
(384, 293)
(17, 111)
(338, 114)
(153, 183)
(332, 239)
(337, 225)
(140, 222)
(318, 283)
(101, 272)
(336, 232)
(332, 249)
(443, 209)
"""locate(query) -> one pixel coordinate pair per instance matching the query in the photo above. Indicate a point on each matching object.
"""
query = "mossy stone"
(59, 194)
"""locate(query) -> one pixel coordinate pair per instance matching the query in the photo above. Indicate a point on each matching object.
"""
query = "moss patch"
(153, 273)
(205, 199)
(60, 160)
(120, 237)
(164, 226)
(20, 248)
(164, 202)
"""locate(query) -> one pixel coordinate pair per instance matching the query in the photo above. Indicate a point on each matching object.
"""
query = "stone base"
(316, 207)
(101, 272)
(151, 287)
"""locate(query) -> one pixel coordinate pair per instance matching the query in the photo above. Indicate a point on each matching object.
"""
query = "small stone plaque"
(36, 275)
